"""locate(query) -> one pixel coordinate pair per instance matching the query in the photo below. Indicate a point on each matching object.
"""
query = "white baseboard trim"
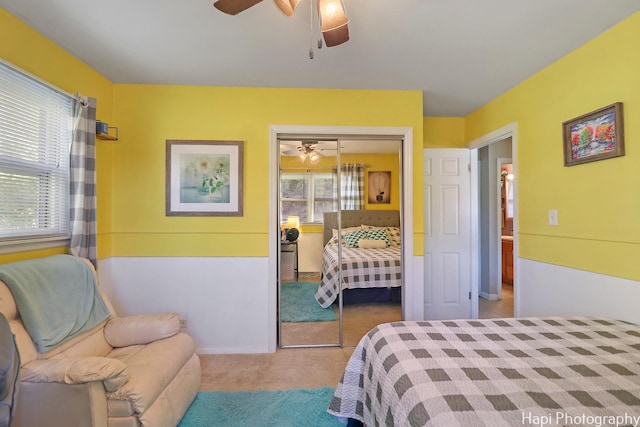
(229, 350)
(488, 296)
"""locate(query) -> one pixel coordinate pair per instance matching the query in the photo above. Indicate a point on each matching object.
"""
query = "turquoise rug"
(298, 304)
(280, 408)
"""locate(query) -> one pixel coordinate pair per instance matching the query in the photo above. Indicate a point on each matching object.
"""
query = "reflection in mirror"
(364, 196)
(372, 272)
(307, 189)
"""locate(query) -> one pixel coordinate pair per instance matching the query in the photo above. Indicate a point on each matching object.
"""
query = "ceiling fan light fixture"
(314, 158)
(336, 36)
(287, 7)
(302, 157)
(332, 15)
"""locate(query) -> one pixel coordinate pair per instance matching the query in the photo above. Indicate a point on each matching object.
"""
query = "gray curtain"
(83, 181)
(351, 186)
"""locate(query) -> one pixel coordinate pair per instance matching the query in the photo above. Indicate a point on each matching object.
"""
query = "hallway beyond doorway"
(497, 308)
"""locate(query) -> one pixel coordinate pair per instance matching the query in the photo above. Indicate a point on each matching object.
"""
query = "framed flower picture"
(204, 178)
(597, 135)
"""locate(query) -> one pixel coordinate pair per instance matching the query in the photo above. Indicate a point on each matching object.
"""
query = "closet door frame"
(413, 289)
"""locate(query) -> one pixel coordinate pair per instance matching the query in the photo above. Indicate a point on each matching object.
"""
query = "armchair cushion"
(141, 329)
(112, 372)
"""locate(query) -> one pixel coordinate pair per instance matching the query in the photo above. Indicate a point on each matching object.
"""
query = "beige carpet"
(312, 367)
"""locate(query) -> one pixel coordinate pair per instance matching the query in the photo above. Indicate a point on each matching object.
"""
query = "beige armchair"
(125, 372)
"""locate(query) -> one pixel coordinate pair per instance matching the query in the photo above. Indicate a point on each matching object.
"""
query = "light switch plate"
(553, 217)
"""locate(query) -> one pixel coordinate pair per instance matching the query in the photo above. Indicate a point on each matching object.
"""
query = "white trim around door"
(510, 130)
(413, 295)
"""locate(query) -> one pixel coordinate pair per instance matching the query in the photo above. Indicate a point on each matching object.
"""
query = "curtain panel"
(83, 181)
(351, 186)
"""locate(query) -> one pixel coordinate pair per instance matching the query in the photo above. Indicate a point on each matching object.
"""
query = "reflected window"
(306, 195)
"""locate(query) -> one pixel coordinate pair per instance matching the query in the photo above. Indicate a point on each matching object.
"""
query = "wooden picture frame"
(204, 178)
(597, 135)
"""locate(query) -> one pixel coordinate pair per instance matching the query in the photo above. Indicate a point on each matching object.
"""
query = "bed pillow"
(334, 234)
(378, 234)
(372, 244)
(392, 232)
(352, 238)
(394, 235)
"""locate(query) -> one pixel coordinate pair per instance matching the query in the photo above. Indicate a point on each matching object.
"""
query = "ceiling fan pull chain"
(317, 9)
(311, 30)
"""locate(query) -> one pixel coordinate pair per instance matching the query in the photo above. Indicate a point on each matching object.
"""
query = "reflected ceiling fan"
(331, 14)
(307, 150)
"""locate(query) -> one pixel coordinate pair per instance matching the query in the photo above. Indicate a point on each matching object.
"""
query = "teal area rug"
(298, 304)
(281, 408)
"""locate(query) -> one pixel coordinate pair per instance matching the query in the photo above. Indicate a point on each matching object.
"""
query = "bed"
(368, 275)
(499, 372)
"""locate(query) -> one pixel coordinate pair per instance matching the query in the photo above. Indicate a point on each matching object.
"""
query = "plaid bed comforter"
(361, 268)
(499, 372)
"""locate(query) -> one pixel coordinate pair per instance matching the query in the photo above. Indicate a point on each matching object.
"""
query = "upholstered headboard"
(356, 218)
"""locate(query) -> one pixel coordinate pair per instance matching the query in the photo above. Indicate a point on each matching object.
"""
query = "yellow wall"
(443, 132)
(598, 204)
(147, 115)
(29, 50)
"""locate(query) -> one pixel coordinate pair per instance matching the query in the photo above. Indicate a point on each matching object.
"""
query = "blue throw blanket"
(56, 296)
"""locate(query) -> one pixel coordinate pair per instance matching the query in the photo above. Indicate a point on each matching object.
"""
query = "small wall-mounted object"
(102, 131)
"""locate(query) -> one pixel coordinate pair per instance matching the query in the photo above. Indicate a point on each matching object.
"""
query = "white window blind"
(35, 139)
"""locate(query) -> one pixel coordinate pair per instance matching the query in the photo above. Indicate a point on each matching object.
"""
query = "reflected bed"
(368, 275)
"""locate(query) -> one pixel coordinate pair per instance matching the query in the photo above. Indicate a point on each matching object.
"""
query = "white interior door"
(447, 233)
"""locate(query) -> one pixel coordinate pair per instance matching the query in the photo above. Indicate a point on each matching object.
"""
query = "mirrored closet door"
(308, 188)
(339, 223)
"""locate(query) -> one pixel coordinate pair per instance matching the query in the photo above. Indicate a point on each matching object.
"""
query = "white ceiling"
(459, 53)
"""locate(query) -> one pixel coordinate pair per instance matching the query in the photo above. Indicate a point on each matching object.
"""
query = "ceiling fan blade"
(291, 152)
(233, 7)
(336, 36)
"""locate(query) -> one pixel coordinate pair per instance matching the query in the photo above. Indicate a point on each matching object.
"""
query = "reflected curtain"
(351, 186)
(83, 181)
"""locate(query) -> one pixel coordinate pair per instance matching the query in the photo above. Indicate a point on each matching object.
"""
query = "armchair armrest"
(112, 372)
(141, 329)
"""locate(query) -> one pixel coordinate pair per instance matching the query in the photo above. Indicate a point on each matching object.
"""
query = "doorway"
(337, 133)
(496, 230)
(495, 248)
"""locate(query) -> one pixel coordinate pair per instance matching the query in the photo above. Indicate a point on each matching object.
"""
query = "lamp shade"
(287, 6)
(332, 14)
(293, 222)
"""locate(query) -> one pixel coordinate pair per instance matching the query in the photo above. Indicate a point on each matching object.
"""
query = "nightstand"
(288, 260)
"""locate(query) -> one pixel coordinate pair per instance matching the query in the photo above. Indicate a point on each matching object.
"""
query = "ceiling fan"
(307, 150)
(331, 14)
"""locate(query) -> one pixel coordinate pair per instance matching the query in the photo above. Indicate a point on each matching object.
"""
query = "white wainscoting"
(547, 289)
(224, 300)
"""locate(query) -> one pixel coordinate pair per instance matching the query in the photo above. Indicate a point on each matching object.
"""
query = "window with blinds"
(35, 141)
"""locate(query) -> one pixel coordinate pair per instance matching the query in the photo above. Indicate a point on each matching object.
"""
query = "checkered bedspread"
(361, 268)
(500, 372)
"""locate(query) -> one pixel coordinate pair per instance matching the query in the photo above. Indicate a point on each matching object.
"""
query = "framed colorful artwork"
(204, 178)
(597, 135)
